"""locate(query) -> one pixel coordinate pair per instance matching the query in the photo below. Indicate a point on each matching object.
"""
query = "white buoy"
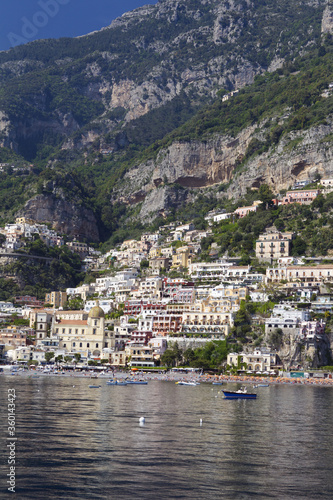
(142, 421)
(200, 422)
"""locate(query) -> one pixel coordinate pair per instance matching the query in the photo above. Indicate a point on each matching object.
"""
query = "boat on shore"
(240, 394)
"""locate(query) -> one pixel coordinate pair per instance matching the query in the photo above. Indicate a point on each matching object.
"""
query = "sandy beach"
(171, 377)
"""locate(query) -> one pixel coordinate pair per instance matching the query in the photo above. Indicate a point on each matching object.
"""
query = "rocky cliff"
(306, 353)
(298, 156)
(67, 216)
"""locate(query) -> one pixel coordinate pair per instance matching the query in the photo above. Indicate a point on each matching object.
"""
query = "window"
(63, 330)
(80, 344)
(73, 344)
(88, 345)
(70, 330)
(94, 331)
(96, 345)
(76, 331)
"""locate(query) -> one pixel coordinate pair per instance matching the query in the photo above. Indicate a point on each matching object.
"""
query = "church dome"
(96, 311)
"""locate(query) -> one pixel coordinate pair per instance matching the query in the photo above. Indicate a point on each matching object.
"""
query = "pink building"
(303, 197)
(243, 211)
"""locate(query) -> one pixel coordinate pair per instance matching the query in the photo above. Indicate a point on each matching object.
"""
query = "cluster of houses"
(139, 310)
(25, 229)
(298, 194)
(153, 311)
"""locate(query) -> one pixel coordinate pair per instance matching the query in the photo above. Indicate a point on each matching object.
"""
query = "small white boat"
(182, 382)
(116, 382)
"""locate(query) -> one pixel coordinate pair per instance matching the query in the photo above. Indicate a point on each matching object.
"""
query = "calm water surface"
(81, 443)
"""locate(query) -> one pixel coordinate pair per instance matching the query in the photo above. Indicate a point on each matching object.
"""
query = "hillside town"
(155, 292)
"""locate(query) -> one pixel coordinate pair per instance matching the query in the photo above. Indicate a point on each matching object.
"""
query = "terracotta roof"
(70, 322)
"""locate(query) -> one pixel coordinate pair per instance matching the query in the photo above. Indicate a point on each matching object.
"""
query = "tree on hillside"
(266, 195)
(298, 246)
(74, 303)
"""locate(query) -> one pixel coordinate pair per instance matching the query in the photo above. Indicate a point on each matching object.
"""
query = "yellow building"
(118, 358)
(155, 252)
(24, 220)
(140, 355)
(56, 299)
(181, 258)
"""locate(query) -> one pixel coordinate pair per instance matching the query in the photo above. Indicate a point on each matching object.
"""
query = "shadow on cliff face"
(66, 216)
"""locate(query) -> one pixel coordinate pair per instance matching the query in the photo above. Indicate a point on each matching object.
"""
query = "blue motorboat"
(137, 382)
(240, 394)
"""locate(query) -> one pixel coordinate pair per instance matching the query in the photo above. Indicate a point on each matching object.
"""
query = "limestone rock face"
(65, 215)
(161, 200)
(310, 155)
(308, 354)
(298, 156)
(191, 164)
(14, 133)
(327, 21)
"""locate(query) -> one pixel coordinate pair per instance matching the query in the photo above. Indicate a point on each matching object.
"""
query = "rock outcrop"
(327, 21)
(306, 353)
(66, 216)
(298, 156)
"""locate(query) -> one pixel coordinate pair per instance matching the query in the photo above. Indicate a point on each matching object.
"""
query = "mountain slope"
(131, 110)
(53, 88)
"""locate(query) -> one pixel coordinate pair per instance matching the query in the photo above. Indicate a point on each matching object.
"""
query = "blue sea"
(79, 443)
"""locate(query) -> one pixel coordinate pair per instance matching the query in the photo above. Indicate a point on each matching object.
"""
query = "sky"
(23, 21)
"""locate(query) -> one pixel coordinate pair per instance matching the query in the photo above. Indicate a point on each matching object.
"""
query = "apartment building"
(306, 275)
(56, 299)
(273, 245)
